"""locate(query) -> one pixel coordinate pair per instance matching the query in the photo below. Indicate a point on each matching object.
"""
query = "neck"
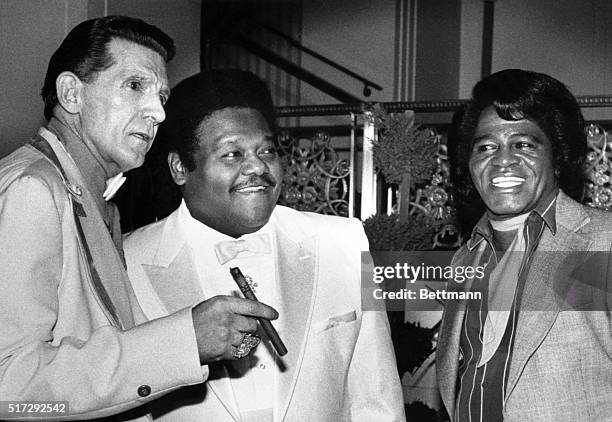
(504, 231)
(509, 224)
(64, 122)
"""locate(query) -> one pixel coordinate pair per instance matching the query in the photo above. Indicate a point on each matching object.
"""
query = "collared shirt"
(252, 378)
(481, 389)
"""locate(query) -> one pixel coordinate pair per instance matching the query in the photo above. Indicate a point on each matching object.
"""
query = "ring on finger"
(248, 343)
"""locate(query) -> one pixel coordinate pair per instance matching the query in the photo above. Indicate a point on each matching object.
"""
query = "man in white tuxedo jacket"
(340, 363)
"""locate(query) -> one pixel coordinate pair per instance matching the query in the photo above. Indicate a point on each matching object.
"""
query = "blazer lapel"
(176, 285)
(447, 352)
(175, 280)
(105, 256)
(219, 382)
(447, 349)
(548, 278)
(172, 272)
(297, 275)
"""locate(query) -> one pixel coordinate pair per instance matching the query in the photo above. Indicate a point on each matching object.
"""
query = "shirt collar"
(546, 210)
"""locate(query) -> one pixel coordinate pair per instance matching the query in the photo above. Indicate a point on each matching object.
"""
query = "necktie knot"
(229, 249)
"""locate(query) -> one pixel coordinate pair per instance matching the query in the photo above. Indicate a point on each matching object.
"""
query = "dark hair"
(515, 95)
(84, 51)
(198, 96)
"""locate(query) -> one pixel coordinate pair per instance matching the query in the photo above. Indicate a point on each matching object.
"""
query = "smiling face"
(123, 105)
(511, 165)
(238, 174)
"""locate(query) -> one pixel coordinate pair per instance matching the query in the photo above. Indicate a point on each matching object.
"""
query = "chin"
(132, 163)
(254, 224)
(506, 212)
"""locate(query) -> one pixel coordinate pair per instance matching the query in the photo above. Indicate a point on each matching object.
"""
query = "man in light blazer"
(538, 345)
(340, 363)
(69, 333)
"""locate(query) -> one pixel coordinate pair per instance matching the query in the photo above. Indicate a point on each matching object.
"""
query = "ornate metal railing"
(598, 168)
(451, 105)
(316, 178)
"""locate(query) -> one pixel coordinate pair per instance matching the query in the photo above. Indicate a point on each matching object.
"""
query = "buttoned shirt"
(481, 388)
(253, 377)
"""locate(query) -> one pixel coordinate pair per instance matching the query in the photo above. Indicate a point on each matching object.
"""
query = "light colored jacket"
(561, 363)
(340, 365)
(58, 341)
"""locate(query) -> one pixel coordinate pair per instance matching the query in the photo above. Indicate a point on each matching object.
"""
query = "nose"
(154, 109)
(253, 164)
(505, 157)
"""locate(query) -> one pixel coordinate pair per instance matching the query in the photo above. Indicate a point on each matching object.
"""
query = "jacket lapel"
(447, 349)
(114, 297)
(447, 361)
(297, 275)
(548, 278)
(172, 270)
(174, 278)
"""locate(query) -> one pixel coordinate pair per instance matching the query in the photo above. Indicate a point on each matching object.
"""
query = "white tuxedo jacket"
(340, 365)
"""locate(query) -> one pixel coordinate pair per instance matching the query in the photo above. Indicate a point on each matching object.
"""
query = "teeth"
(507, 181)
(252, 189)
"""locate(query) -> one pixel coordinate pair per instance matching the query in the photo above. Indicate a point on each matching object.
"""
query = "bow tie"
(228, 250)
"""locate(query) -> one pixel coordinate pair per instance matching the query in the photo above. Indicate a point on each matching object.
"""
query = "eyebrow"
(531, 136)
(221, 142)
(535, 138)
(480, 138)
(164, 90)
(232, 140)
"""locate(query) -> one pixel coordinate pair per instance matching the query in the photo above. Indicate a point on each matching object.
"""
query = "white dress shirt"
(253, 377)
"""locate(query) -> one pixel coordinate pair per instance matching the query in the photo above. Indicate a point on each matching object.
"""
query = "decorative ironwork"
(433, 201)
(437, 203)
(316, 178)
(598, 168)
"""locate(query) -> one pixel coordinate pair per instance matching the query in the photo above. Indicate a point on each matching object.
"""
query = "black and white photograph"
(306, 210)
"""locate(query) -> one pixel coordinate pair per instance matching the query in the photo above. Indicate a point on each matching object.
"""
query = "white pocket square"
(334, 321)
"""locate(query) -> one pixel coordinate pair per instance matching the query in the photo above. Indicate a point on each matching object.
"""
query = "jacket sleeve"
(374, 384)
(99, 373)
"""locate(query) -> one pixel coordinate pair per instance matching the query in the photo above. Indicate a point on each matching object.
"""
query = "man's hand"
(220, 323)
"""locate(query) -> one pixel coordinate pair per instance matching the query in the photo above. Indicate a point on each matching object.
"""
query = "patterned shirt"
(481, 389)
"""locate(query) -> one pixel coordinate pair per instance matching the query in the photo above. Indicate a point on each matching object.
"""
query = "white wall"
(30, 31)
(178, 18)
(359, 35)
(471, 45)
(570, 40)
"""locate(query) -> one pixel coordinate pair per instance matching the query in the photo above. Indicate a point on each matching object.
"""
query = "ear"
(69, 92)
(177, 170)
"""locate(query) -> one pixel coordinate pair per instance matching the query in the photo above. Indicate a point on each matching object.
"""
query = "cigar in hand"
(246, 290)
